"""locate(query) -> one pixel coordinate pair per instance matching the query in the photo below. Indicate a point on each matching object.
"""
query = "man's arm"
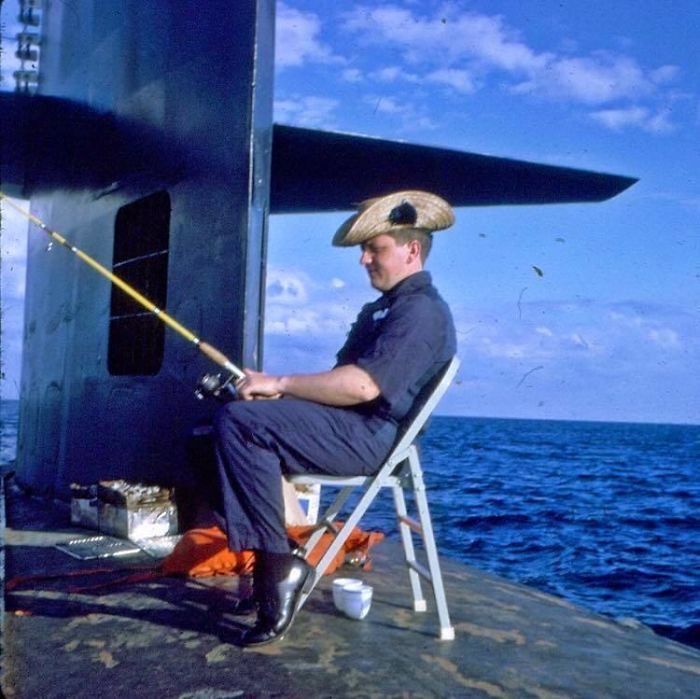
(342, 386)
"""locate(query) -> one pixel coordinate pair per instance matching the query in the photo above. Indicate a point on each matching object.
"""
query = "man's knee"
(239, 421)
(227, 418)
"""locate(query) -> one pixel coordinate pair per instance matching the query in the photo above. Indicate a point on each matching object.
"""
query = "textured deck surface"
(175, 638)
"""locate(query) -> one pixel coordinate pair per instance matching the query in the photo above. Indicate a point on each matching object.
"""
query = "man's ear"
(414, 249)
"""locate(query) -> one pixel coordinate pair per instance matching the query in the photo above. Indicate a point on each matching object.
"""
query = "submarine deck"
(172, 637)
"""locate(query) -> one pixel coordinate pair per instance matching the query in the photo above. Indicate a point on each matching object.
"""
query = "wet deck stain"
(512, 636)
(107, 659)
(492, 690)
(607, 625)
(683, 667)
(218, 654)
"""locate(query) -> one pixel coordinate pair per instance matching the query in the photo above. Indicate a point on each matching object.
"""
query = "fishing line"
(208, 383)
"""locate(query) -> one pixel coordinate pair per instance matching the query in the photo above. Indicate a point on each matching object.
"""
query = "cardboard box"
(83, 506)
(139, 522)
(136, 511)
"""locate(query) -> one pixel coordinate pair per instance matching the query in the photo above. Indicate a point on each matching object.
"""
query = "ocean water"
(9, 419)
(606, 515)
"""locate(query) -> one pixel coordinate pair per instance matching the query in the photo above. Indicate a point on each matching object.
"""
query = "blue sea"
(606, 515)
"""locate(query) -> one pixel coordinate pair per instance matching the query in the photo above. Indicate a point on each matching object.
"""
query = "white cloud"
(583, 332)
(664, 74)
(578, 341)
(286, 288)
(298, 306)
(461, 49)
(626, 318)
(446, 35)
(13, 250)
(12, 223)
(409, 113)
(619, 118)
(14, 275)
(638, 117)
(660, 123)
(647, 326)
(488, 40)
(309, 321)
(297, 41)
(352, 75)
(502, 348)
(463, 52)
(392, 74)
(597, 79)
(511, 341)
(388, 105)
(313, 112)
(665, 338)
(388, 75)
(460, 80)
(13, 245)
(303, 321)
(377, 21)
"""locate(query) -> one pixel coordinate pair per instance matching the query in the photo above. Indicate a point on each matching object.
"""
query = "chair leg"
(447, 632)
(352, 521)
(419, 603)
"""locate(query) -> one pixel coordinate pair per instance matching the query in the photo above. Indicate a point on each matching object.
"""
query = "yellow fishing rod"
(209, 384)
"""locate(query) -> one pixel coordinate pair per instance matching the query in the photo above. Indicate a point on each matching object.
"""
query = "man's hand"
(256, 384)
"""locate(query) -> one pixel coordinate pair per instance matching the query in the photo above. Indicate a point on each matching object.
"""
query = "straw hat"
(408, 209)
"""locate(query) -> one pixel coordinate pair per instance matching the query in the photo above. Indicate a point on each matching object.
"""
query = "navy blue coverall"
(401, 340)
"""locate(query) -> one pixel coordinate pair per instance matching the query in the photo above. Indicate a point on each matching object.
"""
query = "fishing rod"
(209, 384)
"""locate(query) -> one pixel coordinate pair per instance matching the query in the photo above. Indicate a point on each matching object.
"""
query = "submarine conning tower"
(149, 143)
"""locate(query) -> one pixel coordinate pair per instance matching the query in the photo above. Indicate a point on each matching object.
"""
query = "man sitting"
(339, 422)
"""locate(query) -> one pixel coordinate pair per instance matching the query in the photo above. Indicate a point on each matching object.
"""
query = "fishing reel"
(215, 386)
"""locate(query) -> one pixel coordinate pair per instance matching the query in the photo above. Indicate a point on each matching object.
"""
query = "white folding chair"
(402, 470)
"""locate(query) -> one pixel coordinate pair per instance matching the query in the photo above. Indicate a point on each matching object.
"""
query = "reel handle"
(215, 386)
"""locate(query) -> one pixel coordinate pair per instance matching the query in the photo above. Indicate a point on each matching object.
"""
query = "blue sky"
(610, 330)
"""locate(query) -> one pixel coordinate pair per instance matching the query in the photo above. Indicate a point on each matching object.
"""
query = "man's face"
(388, 262)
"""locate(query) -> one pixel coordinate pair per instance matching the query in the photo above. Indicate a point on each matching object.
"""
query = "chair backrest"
(425, 403)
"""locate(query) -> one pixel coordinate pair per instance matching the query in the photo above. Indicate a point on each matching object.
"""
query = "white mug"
(357, 600)
(339, 584)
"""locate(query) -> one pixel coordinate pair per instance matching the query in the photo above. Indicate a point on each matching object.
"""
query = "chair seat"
(328, 480)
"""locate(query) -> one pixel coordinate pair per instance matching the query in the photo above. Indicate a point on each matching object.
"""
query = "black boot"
(245, 606)
(285, 576)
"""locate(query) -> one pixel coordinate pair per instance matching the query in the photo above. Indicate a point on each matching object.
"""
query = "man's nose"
(365, 258)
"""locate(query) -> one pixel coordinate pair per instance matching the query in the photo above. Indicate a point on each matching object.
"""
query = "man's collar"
(414, 282)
